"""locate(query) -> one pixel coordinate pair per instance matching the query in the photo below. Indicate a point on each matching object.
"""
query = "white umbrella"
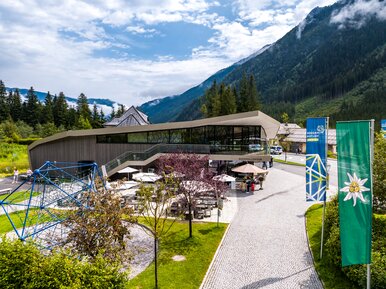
(147, 177)
(249, 169)
(224, 178)
(128, 171)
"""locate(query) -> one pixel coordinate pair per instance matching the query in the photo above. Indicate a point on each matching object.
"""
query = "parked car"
(276, 150)
(255, 147)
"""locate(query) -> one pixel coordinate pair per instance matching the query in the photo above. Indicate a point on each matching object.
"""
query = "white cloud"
(356, 14)
(52, 45)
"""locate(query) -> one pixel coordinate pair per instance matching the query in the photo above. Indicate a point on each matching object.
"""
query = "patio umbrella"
(146, 177)
(224, 178)
(249, 169)
(128, 171)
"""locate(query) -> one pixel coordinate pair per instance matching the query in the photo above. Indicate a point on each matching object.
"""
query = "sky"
(132, 51)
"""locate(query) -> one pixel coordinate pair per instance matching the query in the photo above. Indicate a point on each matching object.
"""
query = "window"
(160, 136)
(180, 136)
(137, 137)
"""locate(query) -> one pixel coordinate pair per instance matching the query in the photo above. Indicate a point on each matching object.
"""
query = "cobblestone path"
(266, 244)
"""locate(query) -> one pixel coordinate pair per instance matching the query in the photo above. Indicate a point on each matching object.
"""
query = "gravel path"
(266, 244)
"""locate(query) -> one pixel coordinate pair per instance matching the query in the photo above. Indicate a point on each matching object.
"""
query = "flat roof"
(249, 118)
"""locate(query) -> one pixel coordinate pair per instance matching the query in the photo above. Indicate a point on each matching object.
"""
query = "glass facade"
(229, 137)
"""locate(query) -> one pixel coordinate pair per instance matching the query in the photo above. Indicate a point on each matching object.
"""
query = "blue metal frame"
(42, 177)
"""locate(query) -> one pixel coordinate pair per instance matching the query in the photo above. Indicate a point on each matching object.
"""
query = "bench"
(5, 191)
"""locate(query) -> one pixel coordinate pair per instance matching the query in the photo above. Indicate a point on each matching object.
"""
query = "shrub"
(357, 273)
(23, 266)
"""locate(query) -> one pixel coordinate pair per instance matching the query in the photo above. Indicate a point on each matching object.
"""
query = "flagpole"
(325, 193)
(368, 283)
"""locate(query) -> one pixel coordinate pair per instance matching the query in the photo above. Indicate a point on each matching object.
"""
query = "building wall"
(74, 149)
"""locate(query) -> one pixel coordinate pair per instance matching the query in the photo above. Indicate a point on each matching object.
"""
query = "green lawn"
(198, 251)
(331, 277)
(19, 196)
(13, 155)
(289, 163)
(18, 218)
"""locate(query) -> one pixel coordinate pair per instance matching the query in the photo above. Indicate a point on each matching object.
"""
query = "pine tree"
(112, 114)
(33, 108)
(83, 123)
(97, 121)
(15, 105)
(48, 115)
(71, 118)
(228, 103)
(120, 111)
(4, 110)
(83, 108)
(60, 107)
(253, 99)
(243, 94)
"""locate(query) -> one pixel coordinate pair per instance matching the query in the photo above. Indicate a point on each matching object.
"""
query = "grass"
(13, 155)
(289, 163)
(199, 252)
(19, 196)
(18, 219)
(331, 277)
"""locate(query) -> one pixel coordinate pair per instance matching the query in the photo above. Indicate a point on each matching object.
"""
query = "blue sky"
(134, 51)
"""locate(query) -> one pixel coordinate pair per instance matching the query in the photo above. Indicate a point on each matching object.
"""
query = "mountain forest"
(32, 118)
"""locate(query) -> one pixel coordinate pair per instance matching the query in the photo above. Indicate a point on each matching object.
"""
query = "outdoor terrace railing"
(186, 148)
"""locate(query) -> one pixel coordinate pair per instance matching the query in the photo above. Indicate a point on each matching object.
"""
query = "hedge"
(357, 273)
(23, 266)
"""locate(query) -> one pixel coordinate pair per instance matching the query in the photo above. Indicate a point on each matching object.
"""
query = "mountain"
(102, 103)
(333, 63)
(169, 108)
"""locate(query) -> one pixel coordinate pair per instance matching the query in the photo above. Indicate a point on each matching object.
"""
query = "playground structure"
(37, 208)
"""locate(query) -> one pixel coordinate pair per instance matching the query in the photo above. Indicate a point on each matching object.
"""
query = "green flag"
(354, 145)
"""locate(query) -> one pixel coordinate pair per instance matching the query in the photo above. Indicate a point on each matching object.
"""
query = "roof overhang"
(270, 126)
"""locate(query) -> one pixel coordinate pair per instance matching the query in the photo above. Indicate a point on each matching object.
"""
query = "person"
(271, 162)
(15, 175)
(29, 173)
(252, 186)
(265, 165)
(261, 178)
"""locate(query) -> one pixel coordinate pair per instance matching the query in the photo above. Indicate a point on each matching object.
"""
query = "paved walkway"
(266, 244)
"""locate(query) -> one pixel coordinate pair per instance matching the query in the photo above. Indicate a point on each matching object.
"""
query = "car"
(276, 150)
(255, 147)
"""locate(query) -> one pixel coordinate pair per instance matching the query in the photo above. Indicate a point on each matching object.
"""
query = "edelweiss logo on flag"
(355, 188)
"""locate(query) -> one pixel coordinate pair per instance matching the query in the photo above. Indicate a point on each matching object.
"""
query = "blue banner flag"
(383, 127)
(316, 159)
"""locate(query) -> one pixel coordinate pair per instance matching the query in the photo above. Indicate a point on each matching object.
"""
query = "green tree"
(155, 202)
(82, 107)
(48, 115)
(243, 94)
(15, 105)
(83, 123)
(212, 101)
(60, 107)
(253, 99)
(121, 110)
(379, 174)
(46, 129)
(284, 118)
(23, 129)
(32, 111)
(228, 101)
(97, 121)
(99, 228)
(4, 109)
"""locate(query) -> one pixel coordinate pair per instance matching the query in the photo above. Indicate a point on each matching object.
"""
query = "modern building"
(131, 117)
(243, 136)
